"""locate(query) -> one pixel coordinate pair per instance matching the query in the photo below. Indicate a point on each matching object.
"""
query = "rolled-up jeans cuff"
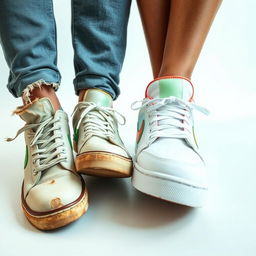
(23, 85)
(96, 82)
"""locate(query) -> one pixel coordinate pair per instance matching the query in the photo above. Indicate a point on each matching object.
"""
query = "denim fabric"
(28, 39)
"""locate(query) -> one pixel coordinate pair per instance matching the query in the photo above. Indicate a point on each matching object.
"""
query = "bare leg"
(45, 91)
(189, 23)
(155, 19)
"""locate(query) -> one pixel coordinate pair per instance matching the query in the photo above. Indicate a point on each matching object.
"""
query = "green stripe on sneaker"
(26, 158)
(69, 140)
(76, 134)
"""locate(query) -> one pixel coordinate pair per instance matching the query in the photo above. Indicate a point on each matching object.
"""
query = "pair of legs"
(175, 31)
(28, 38)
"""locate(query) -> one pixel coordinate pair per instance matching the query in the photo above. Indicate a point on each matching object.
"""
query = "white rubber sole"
(167, 188)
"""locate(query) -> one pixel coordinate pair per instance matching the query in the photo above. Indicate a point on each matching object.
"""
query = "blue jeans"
(28, 39)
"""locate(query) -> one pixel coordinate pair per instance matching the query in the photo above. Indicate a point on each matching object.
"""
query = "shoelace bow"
(48, 151)
(97, 121)
(169, 117)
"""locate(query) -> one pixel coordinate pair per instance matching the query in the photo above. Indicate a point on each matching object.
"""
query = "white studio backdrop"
(121, 220)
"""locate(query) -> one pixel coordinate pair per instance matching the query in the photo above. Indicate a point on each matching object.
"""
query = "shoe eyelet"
(34, 172)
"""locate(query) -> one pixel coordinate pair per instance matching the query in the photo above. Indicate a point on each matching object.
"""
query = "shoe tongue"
(36, 112)
(98, 97)
(167, 87)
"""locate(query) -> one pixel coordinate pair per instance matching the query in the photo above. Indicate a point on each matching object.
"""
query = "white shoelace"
(48, 151)
(97, 121)
(169, 117)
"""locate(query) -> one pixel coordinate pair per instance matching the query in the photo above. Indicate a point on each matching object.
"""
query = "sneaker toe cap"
(55, 193)
(188, 167)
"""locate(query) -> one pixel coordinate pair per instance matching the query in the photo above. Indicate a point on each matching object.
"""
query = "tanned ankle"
(81, 94)
(44, 91)
(175, 71)
(181, 74)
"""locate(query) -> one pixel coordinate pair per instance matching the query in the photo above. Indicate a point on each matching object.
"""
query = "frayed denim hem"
(26, 93)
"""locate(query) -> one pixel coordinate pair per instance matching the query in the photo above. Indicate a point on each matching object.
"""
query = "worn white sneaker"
(53, 195)
(167, 163)
(100, 150)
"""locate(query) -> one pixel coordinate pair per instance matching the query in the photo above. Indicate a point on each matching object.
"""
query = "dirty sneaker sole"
(103, 164)
(58, 217)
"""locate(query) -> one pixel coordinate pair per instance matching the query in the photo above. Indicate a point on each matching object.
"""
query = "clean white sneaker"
(167, 163)
(100, 150)
(53, 194)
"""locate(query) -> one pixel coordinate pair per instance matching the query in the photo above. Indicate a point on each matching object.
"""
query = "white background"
(122, 221)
